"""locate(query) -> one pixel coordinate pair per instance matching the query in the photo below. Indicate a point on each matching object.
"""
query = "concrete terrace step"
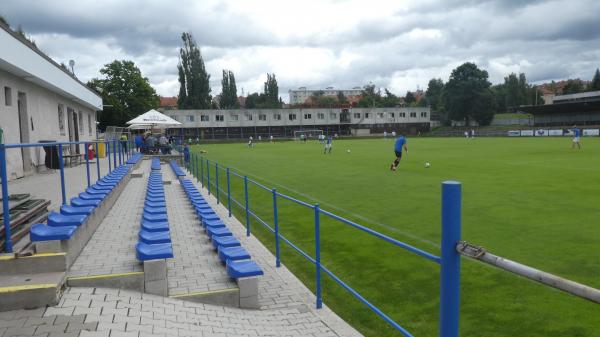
(19, 291)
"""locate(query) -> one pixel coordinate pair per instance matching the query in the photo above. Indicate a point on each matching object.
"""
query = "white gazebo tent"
(152, 119)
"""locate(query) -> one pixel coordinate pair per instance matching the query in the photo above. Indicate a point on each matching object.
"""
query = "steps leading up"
(27, 291)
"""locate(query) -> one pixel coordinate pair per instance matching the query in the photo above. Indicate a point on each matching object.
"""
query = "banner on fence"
(526, 133)
(514, 133)
(568, 132)
(591, 132)
(555, 132)
(541, 133)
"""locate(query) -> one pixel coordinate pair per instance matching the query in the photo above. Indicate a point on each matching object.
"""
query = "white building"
(300, 95)
(39, 100)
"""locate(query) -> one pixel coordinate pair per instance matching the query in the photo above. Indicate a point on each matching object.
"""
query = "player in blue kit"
(398, 146)
(576, 135)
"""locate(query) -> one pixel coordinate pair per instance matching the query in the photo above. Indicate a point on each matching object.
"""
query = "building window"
(307, 116)
(220, 118)
(175, 117)
(367, 115)
(332, 115)
(413, 114)
(7, 96)
(402, 114)
(277, 117)
(320, 116)
(204, 118)
(248, 117)
(234, 117)
(90, 124)
(80, 121)
(423, 114)
(380, 115)
(61, 119)
(262, 117)
(357, 115)
(391, 114)
(292, 117)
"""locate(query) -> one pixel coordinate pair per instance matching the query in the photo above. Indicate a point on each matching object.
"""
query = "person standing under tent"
(576, 136)
(398, 146)
(138, 142)
(186, 155)
(328, 145)
(164, 144)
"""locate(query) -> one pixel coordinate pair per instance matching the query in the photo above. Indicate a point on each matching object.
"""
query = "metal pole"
(208, 176)
(202, 171)
(97, 162)
(318, 256)
(108, 156)
(450, 270)
(197, 169)
(228, 192)
(62, 174)
(276, 223)
(217, 181)
(87, 163)
(119, 146)
(114, 154)
(7, 235)
(247, 206)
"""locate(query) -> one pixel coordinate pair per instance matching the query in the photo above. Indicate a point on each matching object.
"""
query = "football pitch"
(532, 200)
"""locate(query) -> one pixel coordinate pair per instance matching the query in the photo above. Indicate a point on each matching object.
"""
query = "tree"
(390, 100)
(595, 84)
(573, 87)
(125, 90)
(370, 98)
(4, 21)
(409, 98)
(468, 95)
(194, 81)
(271, 92)
(434, 95)
(228, 99)
(341, 98)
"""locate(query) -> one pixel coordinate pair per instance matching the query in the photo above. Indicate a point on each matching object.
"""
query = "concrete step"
(28, 291)
(17, 264)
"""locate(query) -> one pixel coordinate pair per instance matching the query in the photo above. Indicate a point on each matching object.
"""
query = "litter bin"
(51, 158)
(101, 150)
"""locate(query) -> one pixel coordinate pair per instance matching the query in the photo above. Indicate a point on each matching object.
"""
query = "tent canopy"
(154, 118)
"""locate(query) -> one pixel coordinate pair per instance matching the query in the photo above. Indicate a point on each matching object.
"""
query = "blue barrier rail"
(449, 259)
(121, 149)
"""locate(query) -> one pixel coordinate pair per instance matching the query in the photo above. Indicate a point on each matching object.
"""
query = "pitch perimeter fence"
(207, 172)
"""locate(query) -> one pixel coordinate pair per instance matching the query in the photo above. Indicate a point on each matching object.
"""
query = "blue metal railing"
(120, 149)
(449, 259)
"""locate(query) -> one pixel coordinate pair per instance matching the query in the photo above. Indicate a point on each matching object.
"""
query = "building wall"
(42, 121)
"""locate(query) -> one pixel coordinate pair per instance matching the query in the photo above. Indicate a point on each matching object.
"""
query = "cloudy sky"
(393, 44)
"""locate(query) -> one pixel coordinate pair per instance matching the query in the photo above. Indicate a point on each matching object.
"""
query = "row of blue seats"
(155, 164)
(154, 237)
(134, 158)
(61, 226)
(178, 171)
(230, 250)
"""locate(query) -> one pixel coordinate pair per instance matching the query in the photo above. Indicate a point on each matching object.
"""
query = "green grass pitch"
(533, 200)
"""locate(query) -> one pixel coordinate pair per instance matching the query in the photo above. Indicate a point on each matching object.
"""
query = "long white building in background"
(39, 101)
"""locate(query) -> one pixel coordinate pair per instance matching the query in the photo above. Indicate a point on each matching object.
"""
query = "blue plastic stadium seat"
(59, 220)
(211, 217)
(95, 191)
(214, 224)
(72, 210)
(145, 252)
(218, 231)
(99, 188)
(41, 232)
(233, 253)
(154, 217)
(154, 237)
(87, 196)
(81, 202)
(155, 204)
(203, 207)
(155, 226)
(225, 241)
(155, 210)
(155, 199)
(244, 268)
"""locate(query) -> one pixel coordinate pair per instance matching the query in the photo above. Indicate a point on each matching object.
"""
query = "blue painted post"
(7, 235)
(276, 223)
(197, 169)
(247, 206)
(119, 146)
(450, 273)
(318, 256)
(228, 192)
(217, 181)
(108, 156)
(97, 162)
(202, 171)
(87, 163)
(114, 154)
(208, 176)
(61, 164)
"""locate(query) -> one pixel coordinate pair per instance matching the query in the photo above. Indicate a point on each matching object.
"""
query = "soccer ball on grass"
(427, 165)
(348, 151)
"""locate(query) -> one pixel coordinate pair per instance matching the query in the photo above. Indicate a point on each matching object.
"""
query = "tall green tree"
(341, 98)
(194, 81)
(370, 98)
(468, 95)
(271, 92)
(228, 99)
(434, 94)
(573, 87)
(125, 91)
(409, 98)
(595, 85)
(389, 100)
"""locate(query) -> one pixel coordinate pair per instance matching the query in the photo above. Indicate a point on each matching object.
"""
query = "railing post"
(202, 171)
(196, 168)
(276, 223)
(318, 256)
(208, 176)
(5, 206)
(228, 192)
(62, 174)
(450, 270)
(217, 181)
(114, 154)
(247, 206)
(108, 157)
(87, 163)
(97, 162)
